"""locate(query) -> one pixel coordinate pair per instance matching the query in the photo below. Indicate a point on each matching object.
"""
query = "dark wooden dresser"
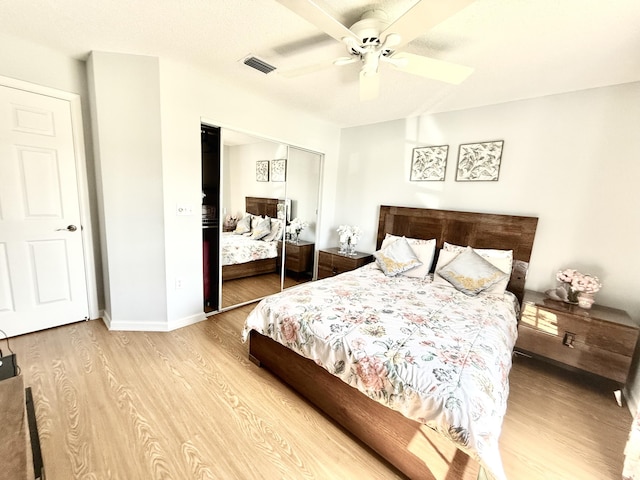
(331, 263)
(299, 256)
(600, 340)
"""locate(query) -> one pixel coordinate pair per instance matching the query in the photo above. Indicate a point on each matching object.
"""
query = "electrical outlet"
(178, 283)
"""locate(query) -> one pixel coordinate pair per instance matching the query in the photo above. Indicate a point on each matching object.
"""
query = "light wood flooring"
(188, 404)
(242, 290)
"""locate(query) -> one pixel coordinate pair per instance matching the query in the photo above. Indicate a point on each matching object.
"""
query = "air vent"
(258, 64)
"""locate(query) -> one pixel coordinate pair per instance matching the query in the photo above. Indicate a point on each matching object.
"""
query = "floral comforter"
(241, 249)
(434, 354)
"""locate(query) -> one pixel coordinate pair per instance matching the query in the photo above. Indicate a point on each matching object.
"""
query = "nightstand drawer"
(593, 332)
(574, 352)
(331, 263)
(600, 340)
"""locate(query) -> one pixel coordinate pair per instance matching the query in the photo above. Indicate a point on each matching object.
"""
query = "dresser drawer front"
(324, 272)
(580, 355)
(599, 334)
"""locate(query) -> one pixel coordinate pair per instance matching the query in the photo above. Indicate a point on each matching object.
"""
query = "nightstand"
(298, 256)
(331, 263)
(600, 340)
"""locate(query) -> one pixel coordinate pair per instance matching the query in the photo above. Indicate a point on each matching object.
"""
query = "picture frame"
(479, 162)
(283, 209)
(429, 164)
(279, 170)
(262, 170)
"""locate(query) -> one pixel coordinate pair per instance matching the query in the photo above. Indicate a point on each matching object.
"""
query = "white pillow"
(396, 257)
(243, 225)
(424, 250)
(276, 231)
(470, 273)
(261, 228)
(502, 261)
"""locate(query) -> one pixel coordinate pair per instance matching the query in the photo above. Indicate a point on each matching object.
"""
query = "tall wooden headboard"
(262, 206)
(479, 230)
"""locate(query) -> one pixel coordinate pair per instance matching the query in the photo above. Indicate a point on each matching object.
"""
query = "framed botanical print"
(279, 170)
(429, 163)
(479, 162)
(262, 170)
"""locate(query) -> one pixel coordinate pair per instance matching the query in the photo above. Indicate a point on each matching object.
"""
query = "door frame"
(82, 183)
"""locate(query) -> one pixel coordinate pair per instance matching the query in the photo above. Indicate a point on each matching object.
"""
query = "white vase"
(585, 300)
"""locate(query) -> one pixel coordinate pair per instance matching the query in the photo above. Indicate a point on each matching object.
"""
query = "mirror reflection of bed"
(243, 193)
(251, 262)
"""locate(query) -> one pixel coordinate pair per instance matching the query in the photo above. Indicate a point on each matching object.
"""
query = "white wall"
(125, 96)
(188, 97)
(303, 182)
(240, 160)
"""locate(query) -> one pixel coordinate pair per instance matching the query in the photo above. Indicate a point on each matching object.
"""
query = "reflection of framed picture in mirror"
(279, 170)
(284, 209)
(262, 171)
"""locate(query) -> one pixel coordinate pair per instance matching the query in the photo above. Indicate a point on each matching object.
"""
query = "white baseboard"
(138, 326)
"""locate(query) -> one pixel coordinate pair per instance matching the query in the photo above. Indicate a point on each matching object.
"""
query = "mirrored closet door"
(268, 217)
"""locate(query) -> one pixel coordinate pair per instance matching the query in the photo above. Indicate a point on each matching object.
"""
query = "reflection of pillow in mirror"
(254, 220)
(396, 258)
(424, 250)
(471, 274)
(243, 226)
(276, 231)
(261, 228)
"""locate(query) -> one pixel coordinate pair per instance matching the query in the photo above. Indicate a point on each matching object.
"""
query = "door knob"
(70, 228)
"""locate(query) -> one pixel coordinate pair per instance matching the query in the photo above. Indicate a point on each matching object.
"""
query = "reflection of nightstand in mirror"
(331, 263)
(298, 256)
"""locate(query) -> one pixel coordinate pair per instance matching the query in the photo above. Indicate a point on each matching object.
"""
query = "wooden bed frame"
(256, 206)
(415, 450)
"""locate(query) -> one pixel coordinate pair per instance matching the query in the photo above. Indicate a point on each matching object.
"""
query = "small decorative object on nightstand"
(599, 341)
(331, 262)
(575, 287)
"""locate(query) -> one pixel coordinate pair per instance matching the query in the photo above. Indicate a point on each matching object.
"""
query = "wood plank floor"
(188, 404)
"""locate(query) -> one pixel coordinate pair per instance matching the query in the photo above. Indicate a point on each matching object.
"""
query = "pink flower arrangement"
(579, 282)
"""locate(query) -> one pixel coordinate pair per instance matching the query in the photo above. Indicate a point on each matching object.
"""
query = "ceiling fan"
(374, 40)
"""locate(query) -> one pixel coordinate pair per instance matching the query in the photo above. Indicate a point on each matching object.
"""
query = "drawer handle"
(568, 339)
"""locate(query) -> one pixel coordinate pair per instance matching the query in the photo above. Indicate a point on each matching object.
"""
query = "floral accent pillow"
(276, 231)
(261, 228)
(469, 273)
(396, 258)
(244, 225)
(502, 259)
(424, 250)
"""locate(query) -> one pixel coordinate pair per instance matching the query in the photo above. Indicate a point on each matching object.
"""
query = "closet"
(230, 178)
(210, 142)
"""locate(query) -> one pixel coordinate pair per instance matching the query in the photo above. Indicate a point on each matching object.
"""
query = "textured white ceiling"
(518, 48)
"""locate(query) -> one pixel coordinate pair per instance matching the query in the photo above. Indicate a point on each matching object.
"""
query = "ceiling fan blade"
(423, 16)
(315, 14)
(369, 85)
(431, 68)
(297, 72)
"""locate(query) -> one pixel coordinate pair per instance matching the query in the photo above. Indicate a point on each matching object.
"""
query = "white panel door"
(42, 276)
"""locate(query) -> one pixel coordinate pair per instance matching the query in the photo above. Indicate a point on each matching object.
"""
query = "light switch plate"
(183, 209)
